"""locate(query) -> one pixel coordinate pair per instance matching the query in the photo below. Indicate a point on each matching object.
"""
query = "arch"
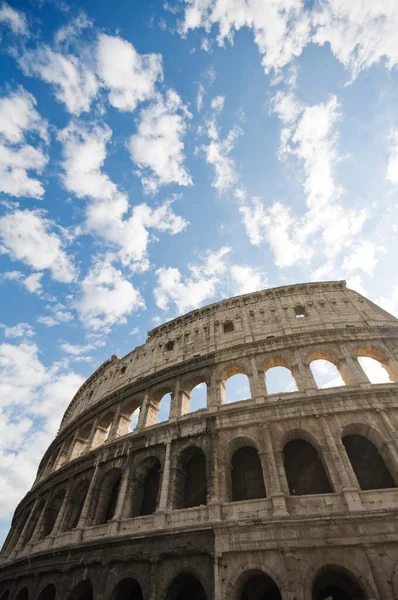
(185, 586)
(47, 593)
(159, 409)
(5, 595)
(326, 373)
(23, 594)
(256, 585)
(76, 504)
(367, 463)
(304, 469)
(235, 385)
(247, 481)
(164, 408)
(336, 583)
(191, 482)
(108, 496)
(147, 487)
(82, 591)
(102, 430)
(279, 380)
(51, 514)
(374, 370)
(129, 416)
(127, 589)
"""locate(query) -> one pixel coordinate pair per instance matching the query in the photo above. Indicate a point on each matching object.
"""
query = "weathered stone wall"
(298, 542)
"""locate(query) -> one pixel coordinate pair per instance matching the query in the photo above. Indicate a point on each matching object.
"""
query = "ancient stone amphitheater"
(288, 496)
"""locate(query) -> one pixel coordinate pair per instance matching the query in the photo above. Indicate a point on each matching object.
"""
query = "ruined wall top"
(250, 317)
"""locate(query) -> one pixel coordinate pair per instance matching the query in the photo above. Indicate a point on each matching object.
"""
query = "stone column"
(350, 369)
(90, 440)
(381, 573)
(214, 396)
(87, 503)
(257, 382)
(143, 412)
(179, 403)
(113, 432)
(117, 517)
(214, 503)
(160, 515)
(61, 514)
(164, 490)
(349, 488)
(277, 496)
(302, 374)
(39, 524)
(19, 543)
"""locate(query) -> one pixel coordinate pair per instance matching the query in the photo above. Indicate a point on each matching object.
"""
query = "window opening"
(368, 466)
(279, 380)
(237, 388)
(305, 472)
(198, 399)
(326, 374)
(228, 327)
(374, 370)
(247, 475)
(300, 312)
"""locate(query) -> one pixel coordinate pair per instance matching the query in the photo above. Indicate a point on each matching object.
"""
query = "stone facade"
(288, 496)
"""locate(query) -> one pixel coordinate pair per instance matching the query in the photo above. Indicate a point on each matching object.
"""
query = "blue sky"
(155, 157)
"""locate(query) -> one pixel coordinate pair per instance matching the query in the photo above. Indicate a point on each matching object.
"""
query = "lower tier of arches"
(242, 562)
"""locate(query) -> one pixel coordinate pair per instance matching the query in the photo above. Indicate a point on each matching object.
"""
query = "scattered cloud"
(75, 82)
(27, 236)
(107, 297)
(58, 314)
(108, 214)
(129, 76)
(157, 147)
(15, 19)
(392, 166)
(33, 399)
(19, 330)
(19, 118)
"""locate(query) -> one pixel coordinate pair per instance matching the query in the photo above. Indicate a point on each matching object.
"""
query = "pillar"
(257, 382)
(87, 503)
(39, 524)
(61, 514)
(350, 369)
(381, 573)
(214, 396)
(18, 545)
(113, 433)
(277, 496)
(164, 489)
(349, 485)
(302, 374)
(90, 440)
(117, 517)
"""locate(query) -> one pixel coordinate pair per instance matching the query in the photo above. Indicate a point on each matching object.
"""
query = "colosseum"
(277, 496)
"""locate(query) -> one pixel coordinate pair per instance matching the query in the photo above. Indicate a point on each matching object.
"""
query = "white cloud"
(390, 304)
(157, 147)
(363, 257)
(58, 315)
(74, 81)
(194, 290)
(33, 399)
(129, 76)
(247, 279)
(218, 150)
(310, 137)
(106, 297)
(108, 214)
(359, 33)
(19, 117)
(74, 28)
(27, 236)
(392, 166)
(15, 19)
(75, 349)
(19, 330)
(33, 283)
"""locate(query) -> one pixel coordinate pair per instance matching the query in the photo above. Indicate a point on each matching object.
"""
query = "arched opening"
(164, 408)
(368, 466)
(279, 380)
(127, 589)
(326, 374)
(305, 472)
(5, 595)
(191, 484)
(83, 591)
(135, 415)
(23, 594)
(259, 586)
(235, 387)
(51, 513)
(80, 443)
(198, 397)
(108, 496)
(185, 586)
(48, 593)
(76, 506)
(374, 370)
(146, 488)
(247, 480)
(336, 584)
